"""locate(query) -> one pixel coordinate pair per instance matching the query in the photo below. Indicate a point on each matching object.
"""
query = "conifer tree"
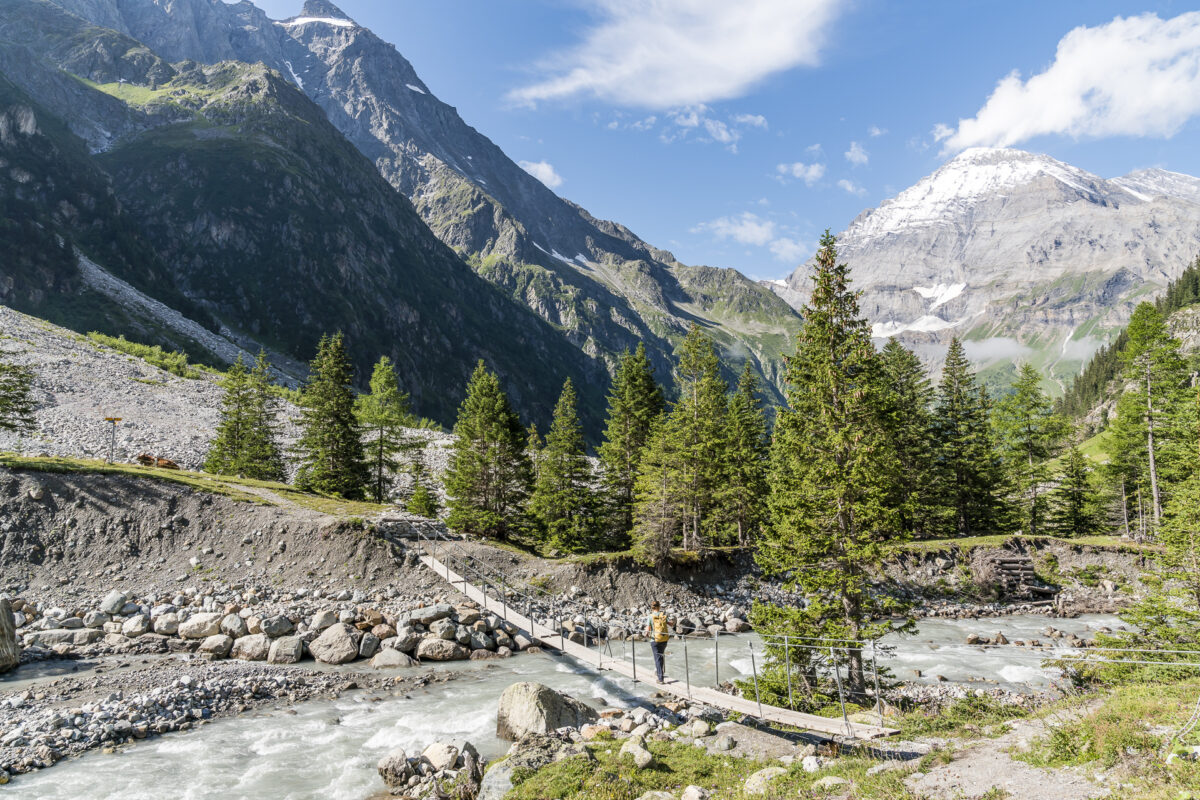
(489, 475)
(330, 448)
(533, 449)
(1075, 502)
(660, 506)
(742, 496)
(1030, 434)
(698, 423)
(907, 416)
(563, 501)
(964, 456)
(635, 401)
(245, 443)
(384, 416)
(16, 397)
(831, 468)
(422, 500)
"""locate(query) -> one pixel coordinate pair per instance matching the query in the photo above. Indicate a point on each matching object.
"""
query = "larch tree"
(489, 476)
(564, 500)
(384, 416)
(330, 448)
(635, 402)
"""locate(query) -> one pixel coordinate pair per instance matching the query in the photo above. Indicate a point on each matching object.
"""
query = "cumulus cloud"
(745, 228)
(544, 171)
(857, 155)
(851, 187)
(662, 55)
(751, 120)
(809, 173)
(1134, 76)
(791, 250)
(875, 131)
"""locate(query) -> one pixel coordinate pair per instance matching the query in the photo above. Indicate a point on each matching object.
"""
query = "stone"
(441, 755)
(253, 647)
(216, 646)
(113, 603)
(696, 728)
(481, 641)
(468, 616)
(534, 708)
(335, 645)
(368, 645)
(444, 629)
(324, 619)
(406, 639)
(656, 795)
(723, 742)
(635, 749)
(383, 631)
(811, 763)
(830, 782)
(395, 769)
(234, 626)
(95, 619)
(388, 658)
(167, 624)
(694, 792)
(735, 625)
(428, 615)
(528, 755)
(441, 650)
(592, 730)
(277, 626)
(759, 782)
(135, 626)
(200, 626)
(10, 649)
(286, 650)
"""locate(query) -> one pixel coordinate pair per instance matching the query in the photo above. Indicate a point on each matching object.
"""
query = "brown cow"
(145, 459)
(165, 463)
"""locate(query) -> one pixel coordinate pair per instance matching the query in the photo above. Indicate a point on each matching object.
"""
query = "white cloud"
(745, 228)
(857, 155)
(790, 250)
(942, 131)
(875, 131)
(851, 187)
(809, 173)
(751, 120)
(663, 55)
(700, 118)
(544, 171)
(1134, 76)
(720, 132)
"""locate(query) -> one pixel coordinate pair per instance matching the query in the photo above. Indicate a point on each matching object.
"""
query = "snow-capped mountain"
(1023, 256)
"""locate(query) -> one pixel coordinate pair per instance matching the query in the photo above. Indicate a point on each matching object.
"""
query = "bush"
(172, 361)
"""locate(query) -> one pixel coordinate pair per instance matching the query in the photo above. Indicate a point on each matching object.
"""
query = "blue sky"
(733, 133)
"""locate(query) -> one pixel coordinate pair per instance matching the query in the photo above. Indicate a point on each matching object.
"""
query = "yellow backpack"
(658, 626)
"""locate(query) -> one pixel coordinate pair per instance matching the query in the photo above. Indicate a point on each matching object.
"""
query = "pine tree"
(635, 401)
(563, 501)
(698, 422)
(1030, 434)
(16, 397)
(245, 443)
(831, 468)
(660, 503)
(489, 475)
(908, 419)
(330, 448)
(422, 501)
(384, 416)
(1075, 503)
(742, 496)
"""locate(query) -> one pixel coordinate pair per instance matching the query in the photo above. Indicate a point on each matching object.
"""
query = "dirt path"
(987, 764)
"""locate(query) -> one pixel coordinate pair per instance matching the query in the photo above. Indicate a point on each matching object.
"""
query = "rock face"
(1021, 247)
(533, 708)
(10, 651)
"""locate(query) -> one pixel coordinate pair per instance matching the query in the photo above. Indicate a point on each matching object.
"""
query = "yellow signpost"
(112, 439)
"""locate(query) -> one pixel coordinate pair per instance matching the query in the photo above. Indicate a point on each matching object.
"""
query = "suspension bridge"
(493, 592)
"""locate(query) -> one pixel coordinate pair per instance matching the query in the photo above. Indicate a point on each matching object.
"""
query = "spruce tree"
(1030, 434)
(635, 401)
(16, 397)
(563, 501)
(907, 416)
(330, 448)
(266, 455)
(831, 468)
(421, 500)
(743, 493)
(489, 475)
(384, 416)
(698, 423)
(660, 503)
(245, 443)
(1075, 502)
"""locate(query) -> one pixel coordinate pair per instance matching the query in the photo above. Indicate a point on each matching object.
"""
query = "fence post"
(841, 697)
(717, 659)
(687, 675)
(787, 650)
(633, 650)
(754, 672)
(875, 672)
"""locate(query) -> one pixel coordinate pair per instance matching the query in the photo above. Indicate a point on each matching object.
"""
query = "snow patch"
(929, 323)
(555, 254)
(340, 23)
(941, 293)
(295, 77)
(416, 89)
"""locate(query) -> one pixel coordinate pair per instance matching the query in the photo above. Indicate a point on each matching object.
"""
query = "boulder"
(735, 625)
(167, 624)
(395, 769)
(234, 626)
(406, 639)
(383, 631)
(635, 749)
(441, 650)
(324, 619)
(759, 782)
(277, 626)
(388, 658)
(444, 629)
(368, 645)
(136, 626)
(830, 782)
(481, 641)
(441, 755)
(200, 626)
(113, 603)
(428, 615)
(811, 763)
(528, 755)
(95, 619)
(335, 645)
(694, 792)
(10, 649)
(216, 646)
(527, 708)
(286, 650)
(254, 647)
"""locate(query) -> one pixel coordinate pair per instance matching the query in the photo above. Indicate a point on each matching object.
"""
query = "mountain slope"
(269, 221)
(595, 280)
(1021, 255)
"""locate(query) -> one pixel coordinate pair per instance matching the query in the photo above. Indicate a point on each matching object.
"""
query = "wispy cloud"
(1134, 76)
(750, 229)
(702, 122)
(544, 171)
(857, 155)
(790, 250)
(809, 173)
(851, 187)
(751, 120)
(663, 55)
(876, 131)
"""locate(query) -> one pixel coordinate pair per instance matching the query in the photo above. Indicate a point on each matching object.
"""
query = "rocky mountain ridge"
(1023, 256)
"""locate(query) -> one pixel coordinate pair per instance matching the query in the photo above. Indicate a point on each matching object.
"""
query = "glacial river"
(328, 749)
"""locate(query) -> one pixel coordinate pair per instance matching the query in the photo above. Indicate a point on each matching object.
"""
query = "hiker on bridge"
(659, 632)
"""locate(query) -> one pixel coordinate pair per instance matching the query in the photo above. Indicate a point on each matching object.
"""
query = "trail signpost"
(112, 438)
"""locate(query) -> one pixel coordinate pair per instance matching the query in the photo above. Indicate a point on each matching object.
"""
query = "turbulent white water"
(328, 749)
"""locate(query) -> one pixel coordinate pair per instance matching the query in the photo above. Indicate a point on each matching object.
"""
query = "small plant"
(171, 361)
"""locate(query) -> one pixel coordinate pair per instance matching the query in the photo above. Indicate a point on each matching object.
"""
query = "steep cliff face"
(597, 282)
(1022, 255)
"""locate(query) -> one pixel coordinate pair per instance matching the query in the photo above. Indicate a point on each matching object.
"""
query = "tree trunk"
(1124, 509)
(10, 651)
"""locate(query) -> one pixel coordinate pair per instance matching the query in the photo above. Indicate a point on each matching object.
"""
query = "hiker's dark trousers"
(659, 648)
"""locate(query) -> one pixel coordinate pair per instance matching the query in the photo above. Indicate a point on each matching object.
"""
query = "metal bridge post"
(787, 652)
(754, 672)
(875, 672)
(633, 649)
(717, 659)
(841, 697)
(687, 675)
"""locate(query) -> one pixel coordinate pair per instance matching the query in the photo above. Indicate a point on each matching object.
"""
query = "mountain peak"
(322, 8)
